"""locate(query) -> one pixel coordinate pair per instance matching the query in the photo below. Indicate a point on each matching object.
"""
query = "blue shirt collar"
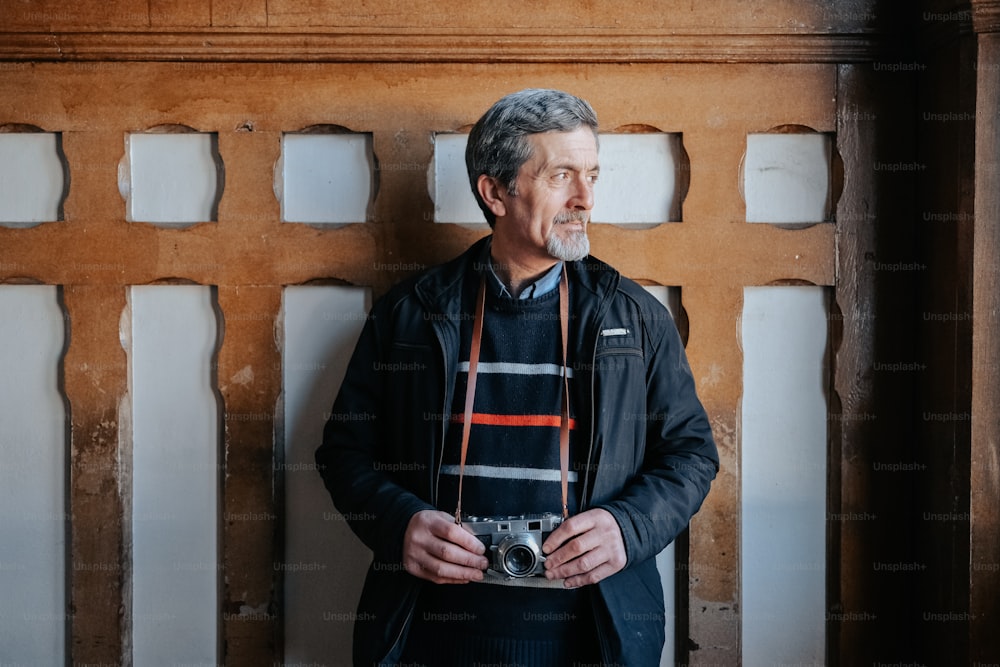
(543, 285)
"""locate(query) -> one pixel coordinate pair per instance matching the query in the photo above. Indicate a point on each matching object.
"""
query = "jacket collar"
(440, 288)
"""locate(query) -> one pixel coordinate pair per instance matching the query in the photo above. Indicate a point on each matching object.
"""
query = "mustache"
(572, 216)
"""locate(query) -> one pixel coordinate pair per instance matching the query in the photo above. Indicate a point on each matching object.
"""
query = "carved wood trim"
(439, 47)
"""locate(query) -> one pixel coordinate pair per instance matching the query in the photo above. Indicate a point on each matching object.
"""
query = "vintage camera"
(514, 543)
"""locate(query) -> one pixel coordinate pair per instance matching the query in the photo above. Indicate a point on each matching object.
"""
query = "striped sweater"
(512, 465)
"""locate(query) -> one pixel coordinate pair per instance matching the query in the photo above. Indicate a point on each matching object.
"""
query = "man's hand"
(584, 549)
(437, 549)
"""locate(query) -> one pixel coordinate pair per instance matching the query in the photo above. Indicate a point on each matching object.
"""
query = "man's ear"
(493, 194)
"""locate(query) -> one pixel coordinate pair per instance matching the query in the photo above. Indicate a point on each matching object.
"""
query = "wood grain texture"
(984, 583)
(438, 46)
(95, 376)
(250, 254)
(425, 31)
(249, 70)
(249, 381)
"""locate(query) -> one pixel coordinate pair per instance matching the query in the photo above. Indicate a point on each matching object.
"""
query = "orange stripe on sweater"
(488, 419)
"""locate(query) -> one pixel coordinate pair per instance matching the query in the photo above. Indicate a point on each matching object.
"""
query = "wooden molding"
(986, 16)
(403, 46)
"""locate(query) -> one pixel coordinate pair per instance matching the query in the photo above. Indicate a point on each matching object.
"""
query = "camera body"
(514, 543)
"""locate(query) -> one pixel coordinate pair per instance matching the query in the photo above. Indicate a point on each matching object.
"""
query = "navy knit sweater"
(512, 467)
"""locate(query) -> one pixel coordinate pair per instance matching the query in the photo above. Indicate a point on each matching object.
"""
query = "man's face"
(554, 196)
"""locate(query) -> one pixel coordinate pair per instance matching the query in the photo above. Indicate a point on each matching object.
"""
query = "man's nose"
(582, 198)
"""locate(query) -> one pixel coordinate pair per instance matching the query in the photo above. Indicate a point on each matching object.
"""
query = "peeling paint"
(244, 376)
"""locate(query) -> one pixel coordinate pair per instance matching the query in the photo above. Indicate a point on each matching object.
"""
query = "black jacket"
(651, 462)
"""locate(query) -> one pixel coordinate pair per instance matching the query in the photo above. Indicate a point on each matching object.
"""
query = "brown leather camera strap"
(564, 421)
(470, 390)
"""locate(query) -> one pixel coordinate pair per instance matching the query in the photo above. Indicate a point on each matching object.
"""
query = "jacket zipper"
(444, 416)
(399, 636)
(589, 468)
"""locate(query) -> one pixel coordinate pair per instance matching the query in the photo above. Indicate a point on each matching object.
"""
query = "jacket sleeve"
(679, 459)
(355, 457)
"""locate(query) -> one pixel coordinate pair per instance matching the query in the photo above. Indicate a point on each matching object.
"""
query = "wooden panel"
(944, 369)
(394, 46)
(95, 376)
(984, 584)
(44, 15)
(242, 13)
(416, 100)
(853, 408)
(423, 31)
(712, 253)
(566, 15)
(249, 378)
(713, 563)
(762, 17)
(986, 16)
(180, 13)
(871, 603)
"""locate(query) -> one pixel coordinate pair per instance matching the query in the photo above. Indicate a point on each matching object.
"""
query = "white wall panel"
(32, 178)
(33, 610)
(666, 560)
(173, 334)
(787, 178)
(784, 453)
(324, 563)
(448, 182)
(171, 178)
(325, 178)
(639, 181)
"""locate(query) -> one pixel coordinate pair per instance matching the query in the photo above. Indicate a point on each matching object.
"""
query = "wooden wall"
(249, 70)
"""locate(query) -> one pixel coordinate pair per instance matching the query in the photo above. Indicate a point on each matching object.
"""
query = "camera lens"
(519, 555)
(519, 560)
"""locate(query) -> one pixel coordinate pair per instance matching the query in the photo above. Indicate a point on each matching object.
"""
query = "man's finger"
(588, 578)
(567, 530)
(453, 553)
(443, 572)
(588, 550)
(454, 533)
(436, 549)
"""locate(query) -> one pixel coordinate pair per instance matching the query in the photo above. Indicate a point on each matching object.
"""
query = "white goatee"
(575, 246)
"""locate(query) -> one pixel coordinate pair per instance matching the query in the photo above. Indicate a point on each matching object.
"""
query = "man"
(521, 378)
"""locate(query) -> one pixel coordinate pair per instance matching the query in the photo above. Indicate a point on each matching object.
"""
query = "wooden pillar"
(95, 376)
(853, 409)
(249, 378)
(984, 575)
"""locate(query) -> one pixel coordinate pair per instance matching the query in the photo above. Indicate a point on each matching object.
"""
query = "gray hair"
(498, 145)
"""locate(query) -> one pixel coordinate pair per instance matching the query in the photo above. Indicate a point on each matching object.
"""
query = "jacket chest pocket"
(618, 340)
(620, 389)
(620, 372)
